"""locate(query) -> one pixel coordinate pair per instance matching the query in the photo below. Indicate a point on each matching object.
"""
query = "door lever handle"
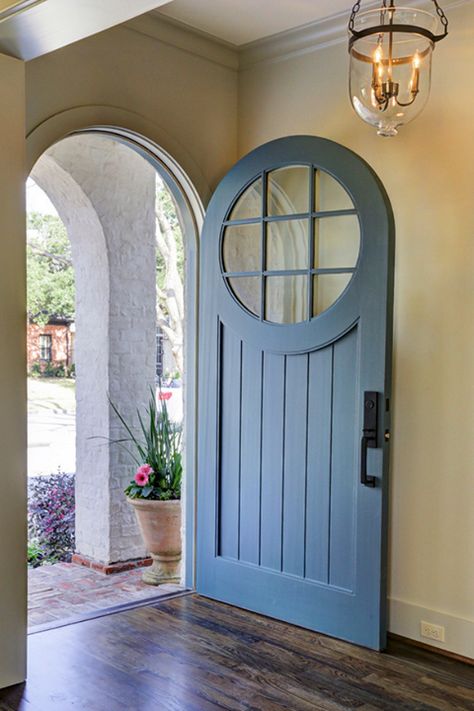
(369, 435)
(365, 479)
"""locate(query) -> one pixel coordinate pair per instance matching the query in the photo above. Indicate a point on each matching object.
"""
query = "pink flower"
(146, 469)
(142, 475)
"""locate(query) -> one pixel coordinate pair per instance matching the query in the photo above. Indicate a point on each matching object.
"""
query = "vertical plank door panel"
(344, 470)
(272, 460)
(294, 485)
(250, 455)
(229, 460)
(319, 464)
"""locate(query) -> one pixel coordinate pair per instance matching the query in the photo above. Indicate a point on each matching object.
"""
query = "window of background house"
(46, 343)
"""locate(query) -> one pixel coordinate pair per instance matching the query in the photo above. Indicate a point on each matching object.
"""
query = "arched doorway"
(102, 182)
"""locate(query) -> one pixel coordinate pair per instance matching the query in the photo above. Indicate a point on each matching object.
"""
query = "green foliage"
(157, 445)
(54, 371)
(49, 370)
(35, 554)
(35, 369)
(50, 274)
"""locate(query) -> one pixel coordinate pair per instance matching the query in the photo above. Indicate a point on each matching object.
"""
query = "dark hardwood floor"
(191, 654)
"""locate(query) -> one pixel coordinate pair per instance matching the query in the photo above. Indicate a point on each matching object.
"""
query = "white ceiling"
(242, 21)
(30, 28)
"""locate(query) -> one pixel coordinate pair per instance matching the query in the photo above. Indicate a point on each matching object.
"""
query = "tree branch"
(54, 257)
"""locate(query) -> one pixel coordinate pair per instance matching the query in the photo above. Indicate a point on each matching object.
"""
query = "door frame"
(189, 188)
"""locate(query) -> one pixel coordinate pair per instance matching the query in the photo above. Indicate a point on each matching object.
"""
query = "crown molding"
(313, 36)
(300, 40)
(276, 48)
(177, 34)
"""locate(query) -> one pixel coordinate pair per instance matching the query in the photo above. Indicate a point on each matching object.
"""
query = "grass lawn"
(51, 395)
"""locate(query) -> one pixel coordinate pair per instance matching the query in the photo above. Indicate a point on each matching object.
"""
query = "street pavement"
(51, 443)
(52, 436)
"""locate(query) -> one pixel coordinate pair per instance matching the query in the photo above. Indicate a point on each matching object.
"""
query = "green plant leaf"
(159, 445)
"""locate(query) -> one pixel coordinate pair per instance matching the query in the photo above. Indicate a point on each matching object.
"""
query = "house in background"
(196, 87)
(50, 346)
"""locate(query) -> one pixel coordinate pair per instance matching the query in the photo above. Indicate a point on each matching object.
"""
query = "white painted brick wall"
(105, 192)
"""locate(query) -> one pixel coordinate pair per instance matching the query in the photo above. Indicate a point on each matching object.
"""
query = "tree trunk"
(170, 300)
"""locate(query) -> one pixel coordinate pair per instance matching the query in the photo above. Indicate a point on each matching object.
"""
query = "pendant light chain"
(354, 12)
(383, 10)
(439, 11)
(443, 19)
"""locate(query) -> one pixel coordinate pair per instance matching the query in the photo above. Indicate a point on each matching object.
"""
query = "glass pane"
(326, 289)
(286, 299)
(247, 291)
(330, 195)
(242, 247)
(287, 245)
(249, 203)
(336, 241)
(288, 190)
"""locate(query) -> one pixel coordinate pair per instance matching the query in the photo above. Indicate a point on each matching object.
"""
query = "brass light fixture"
(390, 62)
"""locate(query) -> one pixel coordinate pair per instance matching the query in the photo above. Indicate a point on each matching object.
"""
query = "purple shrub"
(51, 516)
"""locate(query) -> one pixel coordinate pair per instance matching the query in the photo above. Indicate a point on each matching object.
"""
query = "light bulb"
(415, 79)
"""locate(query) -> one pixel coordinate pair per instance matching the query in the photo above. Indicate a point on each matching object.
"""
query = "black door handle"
(369, 435)
(365, 479)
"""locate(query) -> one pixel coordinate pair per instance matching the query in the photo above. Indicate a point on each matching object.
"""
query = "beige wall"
(428, 171)
(180, 99)
(189, 102)
(12, 374)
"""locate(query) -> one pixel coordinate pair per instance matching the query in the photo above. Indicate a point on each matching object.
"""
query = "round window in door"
(290, 244)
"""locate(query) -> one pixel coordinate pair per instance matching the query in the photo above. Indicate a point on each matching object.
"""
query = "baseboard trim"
(433, 650)
(405, 618)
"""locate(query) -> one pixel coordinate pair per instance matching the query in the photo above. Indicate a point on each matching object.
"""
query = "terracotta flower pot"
(160, 525)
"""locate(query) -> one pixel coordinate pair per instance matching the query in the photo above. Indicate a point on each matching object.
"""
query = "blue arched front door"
(294, 388)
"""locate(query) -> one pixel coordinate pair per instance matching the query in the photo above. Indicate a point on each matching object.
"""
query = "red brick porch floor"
(64, 591)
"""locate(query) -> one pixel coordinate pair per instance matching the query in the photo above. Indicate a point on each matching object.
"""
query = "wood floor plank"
(194, 654)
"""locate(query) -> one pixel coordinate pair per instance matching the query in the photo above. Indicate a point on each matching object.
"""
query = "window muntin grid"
(46, 347)
(281, 264)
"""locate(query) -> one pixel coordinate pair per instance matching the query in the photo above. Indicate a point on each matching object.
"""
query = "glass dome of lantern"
(390, 62)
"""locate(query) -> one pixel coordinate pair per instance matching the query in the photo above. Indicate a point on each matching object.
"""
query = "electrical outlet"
(431, 631)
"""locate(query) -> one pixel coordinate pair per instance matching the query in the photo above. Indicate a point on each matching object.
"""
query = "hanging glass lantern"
(390, 62)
